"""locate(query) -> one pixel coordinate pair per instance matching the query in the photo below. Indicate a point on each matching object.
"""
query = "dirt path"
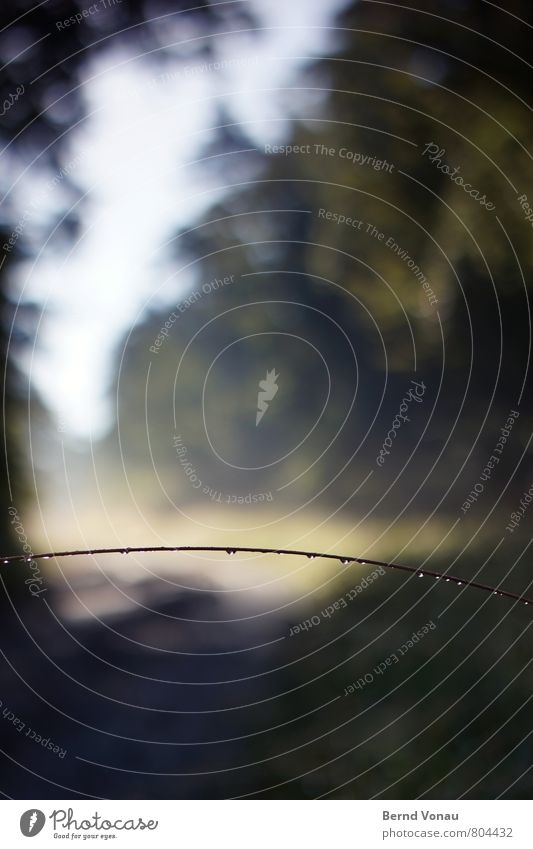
(157, 695)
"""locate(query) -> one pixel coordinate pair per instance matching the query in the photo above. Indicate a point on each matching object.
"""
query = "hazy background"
(150, 182)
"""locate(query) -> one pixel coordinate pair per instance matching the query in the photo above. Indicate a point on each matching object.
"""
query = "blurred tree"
(43, 61)
(438, 270)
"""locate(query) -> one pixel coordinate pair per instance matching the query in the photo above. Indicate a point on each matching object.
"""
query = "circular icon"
(32, 822)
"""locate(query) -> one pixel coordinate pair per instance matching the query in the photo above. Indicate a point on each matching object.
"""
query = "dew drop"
(420, 574)
(230, 551)
(447, 579)
(344, 561)
(459, 583)
(311, 556)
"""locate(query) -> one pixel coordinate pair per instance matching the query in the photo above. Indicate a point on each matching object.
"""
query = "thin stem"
(344, 559)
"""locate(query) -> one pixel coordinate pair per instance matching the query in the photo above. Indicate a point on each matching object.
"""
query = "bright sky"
(131, 159)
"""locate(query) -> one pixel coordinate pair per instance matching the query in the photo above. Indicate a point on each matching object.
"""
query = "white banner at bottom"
(267, 824)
